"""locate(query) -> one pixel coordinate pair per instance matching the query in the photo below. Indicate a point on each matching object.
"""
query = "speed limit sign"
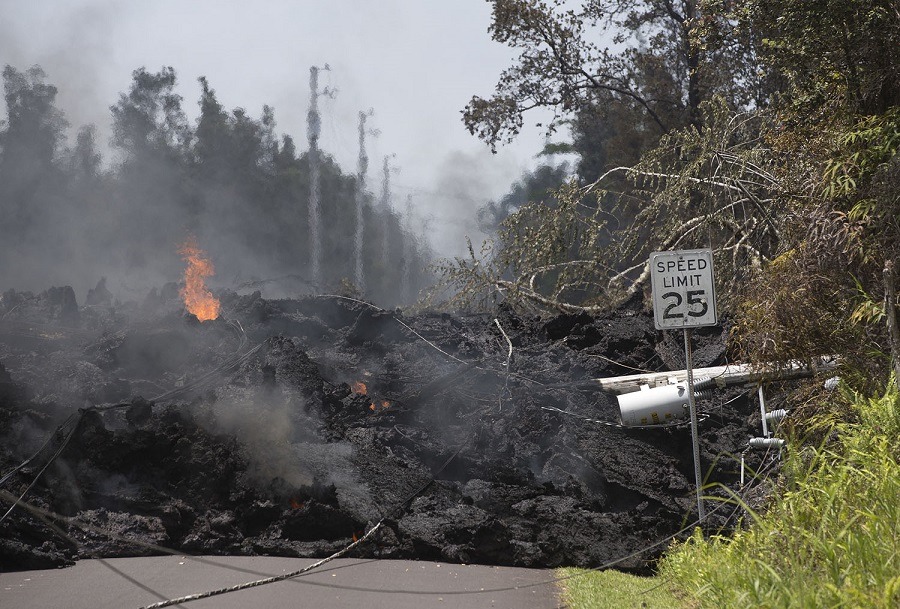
(683, 289)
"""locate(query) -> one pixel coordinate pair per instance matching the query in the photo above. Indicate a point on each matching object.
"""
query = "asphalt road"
(374, 584)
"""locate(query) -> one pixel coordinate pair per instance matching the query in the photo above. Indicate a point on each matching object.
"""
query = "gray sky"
(414, 62)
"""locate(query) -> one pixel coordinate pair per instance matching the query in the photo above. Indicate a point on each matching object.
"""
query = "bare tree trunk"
(890, 312)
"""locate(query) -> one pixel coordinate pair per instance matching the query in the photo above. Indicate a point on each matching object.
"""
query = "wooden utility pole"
(385, 212)
(313, 127)
(409, 250)
(732, 374)
(362, 168)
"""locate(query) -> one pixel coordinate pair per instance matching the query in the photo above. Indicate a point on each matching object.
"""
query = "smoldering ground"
(267, 448)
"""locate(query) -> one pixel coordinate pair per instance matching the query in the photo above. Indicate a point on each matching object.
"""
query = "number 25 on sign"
(683, 286)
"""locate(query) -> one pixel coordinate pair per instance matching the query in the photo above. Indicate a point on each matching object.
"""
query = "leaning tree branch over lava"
(699, 188)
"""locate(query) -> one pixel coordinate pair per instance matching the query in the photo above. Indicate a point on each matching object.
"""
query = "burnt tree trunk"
(890, 312)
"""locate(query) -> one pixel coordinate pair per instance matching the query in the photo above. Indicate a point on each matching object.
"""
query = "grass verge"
(831, 537)
(615, 590)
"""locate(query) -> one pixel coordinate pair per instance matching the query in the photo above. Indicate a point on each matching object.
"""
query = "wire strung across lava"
(75, 419)
(235, 361)
(239, 359)
(402, 506)
(271, 579)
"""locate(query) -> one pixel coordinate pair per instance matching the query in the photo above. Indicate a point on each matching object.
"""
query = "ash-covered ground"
(286, 427)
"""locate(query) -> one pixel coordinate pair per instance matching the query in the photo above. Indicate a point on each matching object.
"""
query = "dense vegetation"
(831, 537)
(229, 180)
(767, 131)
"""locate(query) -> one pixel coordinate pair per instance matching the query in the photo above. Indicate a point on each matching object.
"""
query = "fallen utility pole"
(732, 374)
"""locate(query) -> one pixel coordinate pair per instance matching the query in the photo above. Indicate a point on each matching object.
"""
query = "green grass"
(615, 590)
(831, 538)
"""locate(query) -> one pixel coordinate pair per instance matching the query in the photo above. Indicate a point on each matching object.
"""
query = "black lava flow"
(286, 427)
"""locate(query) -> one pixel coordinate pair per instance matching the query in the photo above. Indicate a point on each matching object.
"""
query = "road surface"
(373, 584)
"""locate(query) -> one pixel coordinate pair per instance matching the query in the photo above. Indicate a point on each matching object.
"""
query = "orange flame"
(197, 298)
(296, 505)
(359, 387)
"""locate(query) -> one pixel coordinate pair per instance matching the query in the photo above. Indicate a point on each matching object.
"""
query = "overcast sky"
(416, 63)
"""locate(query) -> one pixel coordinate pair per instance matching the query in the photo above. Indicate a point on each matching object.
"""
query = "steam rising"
(267, 427)
(278, 437)
(228, 179)
(124, 219)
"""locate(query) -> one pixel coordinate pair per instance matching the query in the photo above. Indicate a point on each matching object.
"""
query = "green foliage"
(667, 58)
(34, 126)
(859, 186)
(828, 297)
(863, 149)
(795, 310)
(714, 187)
(839, 53)
(561, 67)
(609, 132)
(833, 145)
(670, 129)
(830, 537)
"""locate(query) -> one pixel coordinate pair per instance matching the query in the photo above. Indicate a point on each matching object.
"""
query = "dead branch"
(511, 286)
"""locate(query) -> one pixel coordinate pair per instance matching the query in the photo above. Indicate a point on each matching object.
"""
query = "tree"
(83, 160)
(667, 125)
(837, 141)
(153, 200)
(149, 117)
(30, 141)
(34, 126)
(610, 132)
(832, 53)
(538, 185)
(232, 146)
(211, 137)
(655, 65)
(665, 60)
(714, 187)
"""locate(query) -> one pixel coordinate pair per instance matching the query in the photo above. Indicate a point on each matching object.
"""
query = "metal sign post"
(684, 297)
(692, 407)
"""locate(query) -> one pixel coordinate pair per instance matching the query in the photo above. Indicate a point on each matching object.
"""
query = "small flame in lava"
(359, 387)
(197, 298)
(296, 505)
